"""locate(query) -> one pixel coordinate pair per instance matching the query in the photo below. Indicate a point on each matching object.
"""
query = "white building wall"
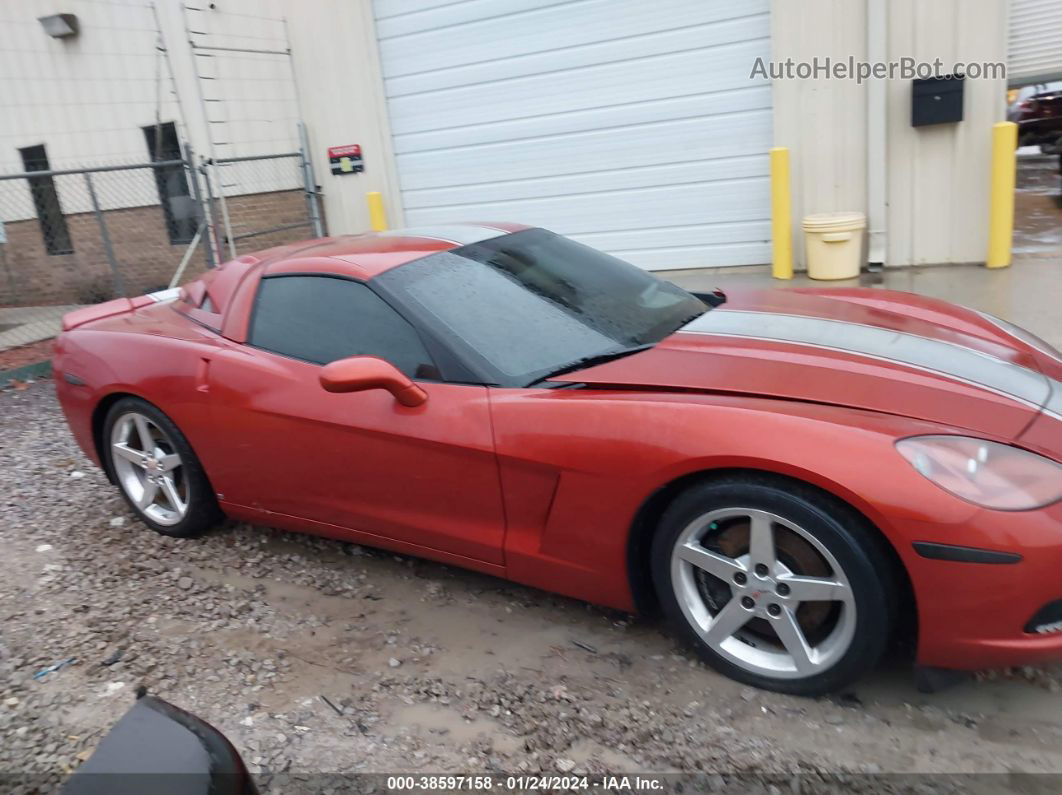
(88, 98)
(85, 98)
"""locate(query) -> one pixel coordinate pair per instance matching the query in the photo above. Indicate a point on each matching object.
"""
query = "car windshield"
(532, 303)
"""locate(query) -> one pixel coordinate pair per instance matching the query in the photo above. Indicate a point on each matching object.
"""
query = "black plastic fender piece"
(161, 749)
(933, 680)
(935, 551)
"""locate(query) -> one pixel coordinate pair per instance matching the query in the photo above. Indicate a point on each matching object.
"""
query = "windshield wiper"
(590, 361)
(715, 298)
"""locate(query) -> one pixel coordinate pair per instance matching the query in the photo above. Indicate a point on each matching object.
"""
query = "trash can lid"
(834, 222)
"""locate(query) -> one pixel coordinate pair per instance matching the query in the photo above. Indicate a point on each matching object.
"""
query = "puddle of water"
(431, 718)
(1038, 205)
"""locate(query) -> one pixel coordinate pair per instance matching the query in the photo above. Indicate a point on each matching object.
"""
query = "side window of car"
(320, 319)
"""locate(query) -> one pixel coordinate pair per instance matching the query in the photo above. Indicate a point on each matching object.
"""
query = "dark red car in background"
(1039, 120)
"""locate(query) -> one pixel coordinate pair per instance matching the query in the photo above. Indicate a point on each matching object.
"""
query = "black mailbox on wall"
(936, 100)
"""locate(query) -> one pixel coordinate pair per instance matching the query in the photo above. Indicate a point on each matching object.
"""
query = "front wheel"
(157, 470)
(774, 584)
(1052, 147)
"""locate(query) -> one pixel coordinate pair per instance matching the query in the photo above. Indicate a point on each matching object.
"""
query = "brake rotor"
(731, 538)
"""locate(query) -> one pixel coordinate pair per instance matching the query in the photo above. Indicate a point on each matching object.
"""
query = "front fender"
(577, 466)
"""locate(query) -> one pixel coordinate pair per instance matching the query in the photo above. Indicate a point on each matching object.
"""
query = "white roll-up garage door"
(1034, 51)
(631, 125)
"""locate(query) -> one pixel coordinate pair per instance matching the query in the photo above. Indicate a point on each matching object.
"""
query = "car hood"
(868, 349)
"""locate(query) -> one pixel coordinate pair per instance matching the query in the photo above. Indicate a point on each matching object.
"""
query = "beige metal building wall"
(822, 121)
(937, 177)
(340, 95)
(337, 65)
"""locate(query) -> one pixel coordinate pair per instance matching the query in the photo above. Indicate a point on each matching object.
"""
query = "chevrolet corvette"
(792, 477)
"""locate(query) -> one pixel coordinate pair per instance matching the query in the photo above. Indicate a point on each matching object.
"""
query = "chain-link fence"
(80, 236)
(261, 201)
(74, 237)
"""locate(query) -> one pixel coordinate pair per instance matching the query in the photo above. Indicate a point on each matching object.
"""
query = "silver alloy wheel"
(761, 587)
(148, 468)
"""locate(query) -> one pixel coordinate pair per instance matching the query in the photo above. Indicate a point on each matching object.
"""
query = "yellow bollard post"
(377, 214)
(781, 216)
(1001, 197)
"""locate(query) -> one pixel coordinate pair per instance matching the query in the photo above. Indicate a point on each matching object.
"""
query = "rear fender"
(119, 306)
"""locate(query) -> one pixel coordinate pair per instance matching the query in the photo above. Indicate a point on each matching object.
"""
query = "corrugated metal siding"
(1035, 42)
(630, 125)
(88, 99)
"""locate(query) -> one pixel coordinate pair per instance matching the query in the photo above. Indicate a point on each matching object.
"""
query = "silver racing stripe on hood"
(1022, 335)
(923, 353)
(164, 296)
(1053, 406)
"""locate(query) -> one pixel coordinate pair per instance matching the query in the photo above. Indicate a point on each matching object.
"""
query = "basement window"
(178, 207)
(46, 202)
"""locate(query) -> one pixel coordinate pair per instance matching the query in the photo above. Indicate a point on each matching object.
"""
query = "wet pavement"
(1029, 293)
(1038, 204)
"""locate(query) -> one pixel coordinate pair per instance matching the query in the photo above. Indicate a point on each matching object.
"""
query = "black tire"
(1052, 147)
(203, 512)
(861, 553)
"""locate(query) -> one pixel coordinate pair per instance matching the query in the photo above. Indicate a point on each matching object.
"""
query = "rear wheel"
(774, 584)
(157, 471)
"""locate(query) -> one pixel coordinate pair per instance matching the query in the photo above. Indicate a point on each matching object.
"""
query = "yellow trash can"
(834, 244)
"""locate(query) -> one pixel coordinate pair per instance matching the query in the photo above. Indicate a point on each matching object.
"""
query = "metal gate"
(260, 201)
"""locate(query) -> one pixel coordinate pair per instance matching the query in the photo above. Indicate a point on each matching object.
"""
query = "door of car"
(423, 475)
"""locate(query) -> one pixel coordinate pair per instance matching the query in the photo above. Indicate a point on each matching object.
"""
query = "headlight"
(985, 473)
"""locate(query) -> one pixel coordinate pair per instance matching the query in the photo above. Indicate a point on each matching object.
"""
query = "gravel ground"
(429, 668)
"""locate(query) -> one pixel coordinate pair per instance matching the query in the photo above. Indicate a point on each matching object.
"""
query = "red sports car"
(791, 475)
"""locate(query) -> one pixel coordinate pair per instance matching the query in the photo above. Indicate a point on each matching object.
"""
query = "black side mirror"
(159, 748)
